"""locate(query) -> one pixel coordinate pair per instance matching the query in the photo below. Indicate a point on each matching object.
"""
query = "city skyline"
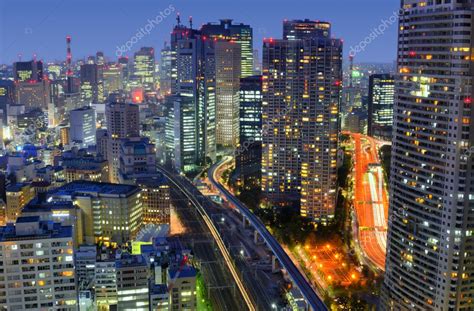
(99, 26)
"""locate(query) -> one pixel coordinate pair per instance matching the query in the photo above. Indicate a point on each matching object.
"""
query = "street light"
(274, 306)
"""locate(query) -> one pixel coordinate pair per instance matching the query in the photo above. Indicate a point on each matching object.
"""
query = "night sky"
(40, 26)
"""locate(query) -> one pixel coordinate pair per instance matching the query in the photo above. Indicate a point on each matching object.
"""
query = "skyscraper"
(82, 126)
(227, 57)
(31, 71)
(248, 156)
(144, 68)
(167, 73)
(431, 218)
(194, 92)
(89, 83)
(380, 110)
(301, 92)
(239, 33)
(122, 122)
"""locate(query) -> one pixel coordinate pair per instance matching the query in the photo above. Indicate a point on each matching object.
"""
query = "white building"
(430, 249)
(82, 126)
(37, 266)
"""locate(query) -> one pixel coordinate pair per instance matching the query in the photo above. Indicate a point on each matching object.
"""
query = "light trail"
(217, 238)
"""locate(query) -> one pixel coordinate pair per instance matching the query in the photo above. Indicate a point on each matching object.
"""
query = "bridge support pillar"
(257, 239)
(275, 264)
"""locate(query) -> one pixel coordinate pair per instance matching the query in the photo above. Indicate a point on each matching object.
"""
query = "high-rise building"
(31, 71)
(122, 122)
(113, 78)
(89, 83)
(167, 72)
(248, 156)
(301, 92)
(238, 33)
(33, 94)
(156, 200)
(227, 58)
(82, 126)
(430, 248)
(119, 204)
(194, 93)
(144, 68)
(37, 266)
(380, 109)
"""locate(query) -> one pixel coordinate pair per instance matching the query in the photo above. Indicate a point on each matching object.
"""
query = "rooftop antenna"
(178, 18)
(191, 22)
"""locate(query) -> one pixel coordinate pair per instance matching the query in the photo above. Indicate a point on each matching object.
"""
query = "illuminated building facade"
(37, 266)
(119, 204)
(123, 121)
(82, 126)
(248, 155)
(301, 93)
(144, 68)
(193, 93)
(430, 249)
(18, 195)
(89, 83)
(380, 112)
(227, 57)
(156, 200)
(239, 33)
(167, 72)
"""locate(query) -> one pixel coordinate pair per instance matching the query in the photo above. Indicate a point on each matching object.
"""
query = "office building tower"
(89, 83)
(122, 122)
(113, 78)
(33, 94)
(7, 97)
(31, 71)
(119, 204)
(194, 93)
(124, 64)
(181, 134)
(167, 72)
(227, 58)
(238, 33)
(132, 283)
(156, 200)
(380, 109)
(248, 155)
(85, 264)
(429, 261)
(301, 92)
(82, 128)
(37, 266)
(18, 195)
(105, 284)
(144, 68)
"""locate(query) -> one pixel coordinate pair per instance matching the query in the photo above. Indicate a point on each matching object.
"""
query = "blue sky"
(39, 27)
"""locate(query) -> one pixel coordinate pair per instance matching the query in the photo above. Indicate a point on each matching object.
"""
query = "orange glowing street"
(370, 199)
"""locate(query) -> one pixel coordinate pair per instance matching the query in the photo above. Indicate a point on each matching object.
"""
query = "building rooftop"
(32, 228)
(91, 187)
(184, 272)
